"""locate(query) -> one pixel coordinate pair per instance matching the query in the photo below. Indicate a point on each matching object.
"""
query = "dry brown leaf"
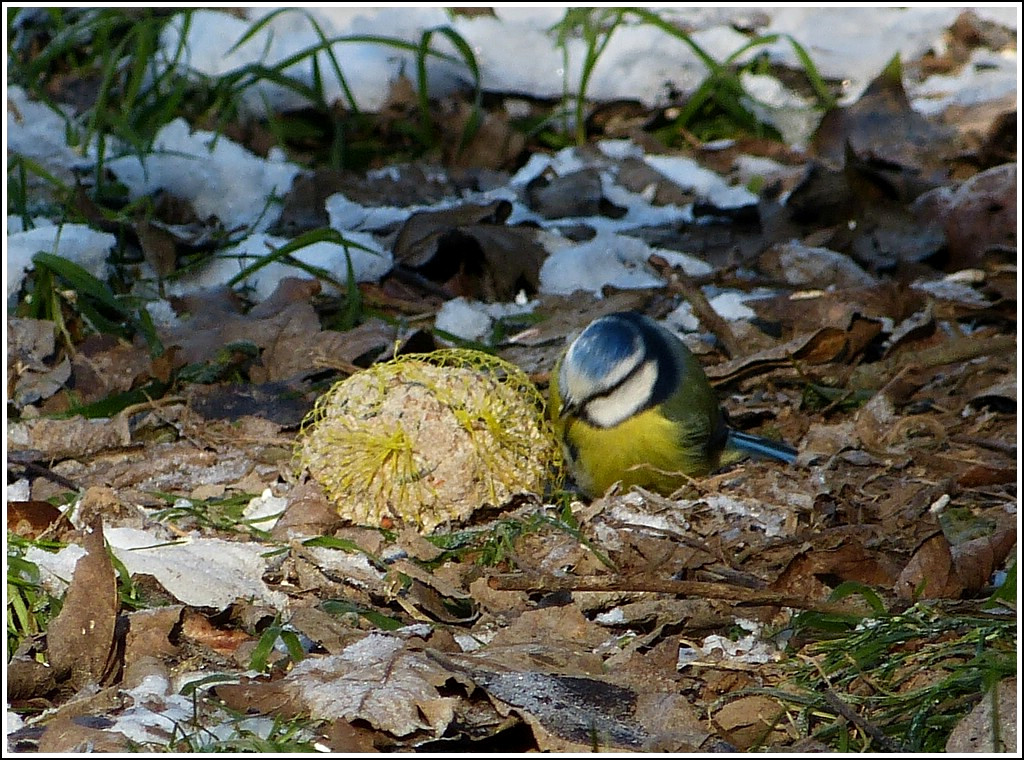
(553, 627)
(378, 679)
(930, 574)
(329, 631)
(225, 641)
(29, 519)
(80, 640)
(69, 734)
(977, 559)
(1001, 395)
(30, 376)
(27, 677)
(876, 421)
(495, 144)
(828, 440)
(104, 365)
(417, 240)
(987, 128)
(104, 503)
(883, 126)
(982, 218)
(575, 194)
(751, 721)
(158, 247)
(980, 475)
(822, 346)
(308, 513)
(149, 633)
(638, 176)
(54, 439)
(991, 726)
(579, 713)
(814, 267)
(285, 327)
(344, 738)
(849, 561)
(469, 251)
(429, 596)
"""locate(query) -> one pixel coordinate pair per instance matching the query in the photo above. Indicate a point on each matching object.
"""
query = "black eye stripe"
(657, 350)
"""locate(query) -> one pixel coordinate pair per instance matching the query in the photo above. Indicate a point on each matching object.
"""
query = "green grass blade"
(825, 98)
(79, 279)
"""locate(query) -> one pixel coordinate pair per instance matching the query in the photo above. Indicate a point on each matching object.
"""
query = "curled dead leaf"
(751, 721)
(930, 574)
(977, 559)
(80, 640)
(469, 251)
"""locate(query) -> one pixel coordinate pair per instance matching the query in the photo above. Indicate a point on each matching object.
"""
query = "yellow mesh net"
(429, 438)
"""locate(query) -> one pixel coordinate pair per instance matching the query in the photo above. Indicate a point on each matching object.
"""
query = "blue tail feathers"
(761, 448)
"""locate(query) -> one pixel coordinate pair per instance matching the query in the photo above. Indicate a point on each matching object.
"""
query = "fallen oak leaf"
(876, 422)
(977, 559)
(930, 574)
(582, 712)
(80, 640)
(820, 347)
(749, 721)
(470, 252)
(378, 679)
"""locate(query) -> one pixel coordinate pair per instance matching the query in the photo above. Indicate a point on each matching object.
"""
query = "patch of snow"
(263, 511)
(730, 305)
(162, 313)
(682, 318)
(220, 177)
(17, 223)
(19, 490)
(613, 616)
(988, 76)
(775, 104)
(344, 215)
(203, 572)
(36, 131)
(860, 40)
(751, 648)
(55, 569)
(79, 243)
(367, 265)
(607, 259)
(620, 149)
(464, 318)
(708, 185)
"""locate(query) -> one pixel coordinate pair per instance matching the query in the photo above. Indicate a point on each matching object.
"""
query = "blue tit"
(631, 404)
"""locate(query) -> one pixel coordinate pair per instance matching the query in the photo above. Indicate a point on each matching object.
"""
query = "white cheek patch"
(625, 401)
(580, 385)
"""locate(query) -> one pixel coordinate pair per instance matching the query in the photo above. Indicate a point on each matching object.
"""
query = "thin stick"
(884, 743)
(710, 318)
(707, 590)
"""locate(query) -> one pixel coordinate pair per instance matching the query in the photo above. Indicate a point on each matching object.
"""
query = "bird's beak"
(568, 409)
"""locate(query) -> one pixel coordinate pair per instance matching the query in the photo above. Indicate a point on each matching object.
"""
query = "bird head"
(611, 371)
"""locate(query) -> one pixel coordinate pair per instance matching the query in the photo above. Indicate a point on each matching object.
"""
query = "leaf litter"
(879, 333)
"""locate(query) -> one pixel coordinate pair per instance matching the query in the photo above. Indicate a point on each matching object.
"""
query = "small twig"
(710, 318)
(987, 443)
(46, 472)
(152, 405)
(323, 361)
(952, 351)
(704, 589)
(884, 743)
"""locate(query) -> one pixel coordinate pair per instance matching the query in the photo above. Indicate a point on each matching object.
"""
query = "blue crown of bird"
(631, 405)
